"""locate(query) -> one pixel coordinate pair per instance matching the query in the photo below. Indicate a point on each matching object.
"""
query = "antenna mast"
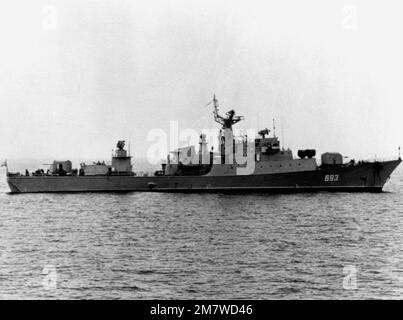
(274, 129)
(4, 164)
(282, 131)
(216, 116)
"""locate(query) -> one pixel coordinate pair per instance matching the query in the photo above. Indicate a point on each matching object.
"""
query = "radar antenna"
(120, 145)
(264, 132)
(228, 121)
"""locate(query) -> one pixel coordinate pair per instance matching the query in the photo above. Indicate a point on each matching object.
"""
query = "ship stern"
(12, 185)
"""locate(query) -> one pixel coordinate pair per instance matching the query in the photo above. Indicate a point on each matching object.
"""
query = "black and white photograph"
(222, 152)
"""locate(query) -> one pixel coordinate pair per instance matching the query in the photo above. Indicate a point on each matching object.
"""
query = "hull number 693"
(331, 178)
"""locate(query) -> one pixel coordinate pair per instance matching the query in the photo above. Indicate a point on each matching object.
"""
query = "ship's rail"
(91, 163)
(383, 159)
(144, 173)
(357, 161)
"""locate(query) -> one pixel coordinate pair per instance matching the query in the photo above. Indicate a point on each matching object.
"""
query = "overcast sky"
(76, 76)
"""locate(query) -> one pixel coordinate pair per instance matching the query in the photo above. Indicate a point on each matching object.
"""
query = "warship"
(241, 164)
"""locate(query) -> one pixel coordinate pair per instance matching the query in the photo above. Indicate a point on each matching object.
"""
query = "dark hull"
(367, 177)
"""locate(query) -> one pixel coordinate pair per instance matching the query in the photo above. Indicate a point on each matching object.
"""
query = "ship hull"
(366, 177)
